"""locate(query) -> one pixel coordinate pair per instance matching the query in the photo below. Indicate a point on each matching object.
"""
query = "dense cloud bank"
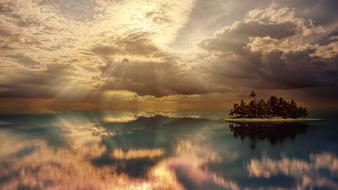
(80, 50)
(273, 48)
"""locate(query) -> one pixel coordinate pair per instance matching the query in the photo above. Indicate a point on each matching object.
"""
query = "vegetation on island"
(272, 108)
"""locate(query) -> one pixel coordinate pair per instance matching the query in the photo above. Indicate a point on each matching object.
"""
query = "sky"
(157, 51)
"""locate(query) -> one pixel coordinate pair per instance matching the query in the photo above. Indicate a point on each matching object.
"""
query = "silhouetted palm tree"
(252, 95)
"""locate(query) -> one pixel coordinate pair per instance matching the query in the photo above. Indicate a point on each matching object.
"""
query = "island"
(275, 109)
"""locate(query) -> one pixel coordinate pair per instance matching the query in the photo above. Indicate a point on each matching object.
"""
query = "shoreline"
(270, 120)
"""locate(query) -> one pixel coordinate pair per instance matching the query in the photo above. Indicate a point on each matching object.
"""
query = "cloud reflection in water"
(31, 163)
(153, 152)
(307, 173)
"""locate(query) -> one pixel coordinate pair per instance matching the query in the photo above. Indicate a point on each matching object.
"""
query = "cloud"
(272, 48)
(103, 50)
(82, 10)
(27, 83)
(116, 45)
(130, 44)
(184, 165)
(72, 49)
(27, 61)
(306, 173)
(235, 37)
(156, 78)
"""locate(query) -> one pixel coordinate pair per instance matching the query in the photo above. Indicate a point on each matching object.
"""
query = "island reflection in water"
(126, 150)
(273, 132)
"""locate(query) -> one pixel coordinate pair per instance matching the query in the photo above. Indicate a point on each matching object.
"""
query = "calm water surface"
(129, 150)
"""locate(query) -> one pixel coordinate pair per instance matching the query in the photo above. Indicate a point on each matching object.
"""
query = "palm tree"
(234, 110)
(272, 102)
(242, 112)
(262, 108)
(252, 95)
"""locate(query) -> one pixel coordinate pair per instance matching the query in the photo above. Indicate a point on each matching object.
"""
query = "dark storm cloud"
(295, 69)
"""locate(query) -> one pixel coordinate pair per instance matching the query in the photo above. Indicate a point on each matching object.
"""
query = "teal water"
(140, 150)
